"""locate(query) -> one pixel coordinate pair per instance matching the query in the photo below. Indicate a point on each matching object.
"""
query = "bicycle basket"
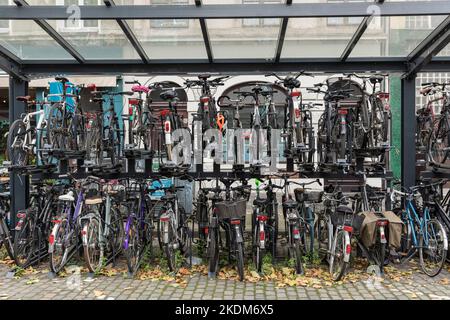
(336, 84)
(231, 209)
(86, 104)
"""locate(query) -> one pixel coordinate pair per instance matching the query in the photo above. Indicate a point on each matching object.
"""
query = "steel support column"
(408, 131)
(19, 185)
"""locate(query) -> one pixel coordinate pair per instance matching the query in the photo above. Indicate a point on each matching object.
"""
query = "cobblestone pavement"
(41, 286)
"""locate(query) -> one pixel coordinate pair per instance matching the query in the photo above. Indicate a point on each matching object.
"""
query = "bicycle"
(425, 234)
(6, 237)
(65, 237)
(24, 140)
(102, 227)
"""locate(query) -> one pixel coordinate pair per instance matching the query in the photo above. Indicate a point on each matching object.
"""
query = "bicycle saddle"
(259, 202)
(376, 79)
(4, 195)
(67, 197)
(168, 197)
(204, 76)
(62, 79)
(344, 210)
(23, 98)
(168, 95)
(94, 200)
(290, 204)
(139, 88)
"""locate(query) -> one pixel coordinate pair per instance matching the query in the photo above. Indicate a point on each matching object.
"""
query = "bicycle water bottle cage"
(140, 89)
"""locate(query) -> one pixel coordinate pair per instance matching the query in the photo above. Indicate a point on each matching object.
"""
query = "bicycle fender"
(347, 243)
(51, 243)
(239, 237)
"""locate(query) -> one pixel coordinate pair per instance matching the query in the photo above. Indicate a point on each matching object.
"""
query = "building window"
(260, 22)
(170, 23)
(78, 24)
(4, 24)
(341, 21)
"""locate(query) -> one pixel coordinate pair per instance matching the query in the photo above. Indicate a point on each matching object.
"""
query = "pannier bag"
(232, 209)
(369, 231)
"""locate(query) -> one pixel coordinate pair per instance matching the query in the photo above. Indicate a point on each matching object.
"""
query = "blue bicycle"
(424, 234)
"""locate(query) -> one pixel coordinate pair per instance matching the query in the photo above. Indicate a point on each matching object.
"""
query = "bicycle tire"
(17, 155)
(442, 256)
(240, 260)
(297, 255)
(5, 239)
(59, 232)
(133, 250)
(55, 127)
(341, 264)
(24, 243)
(92, 250)
(213, 250)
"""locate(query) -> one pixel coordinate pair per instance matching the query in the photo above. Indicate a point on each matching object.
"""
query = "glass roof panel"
(96, 39)
(170, 39)
(101, 2)
(318, 37)
(243, 38)
(445, 52)
(395, 36)
(28, 41)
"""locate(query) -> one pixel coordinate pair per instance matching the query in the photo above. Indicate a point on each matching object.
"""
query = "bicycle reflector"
(204, 99)
(348, 229)
(262, 218)
(236, 221)
(21, 214)
(348, 249)
(164, 219)
(382, 223)
(342, 111)
(51, 239)
(295, 94)
(167, 126)
(164, 112)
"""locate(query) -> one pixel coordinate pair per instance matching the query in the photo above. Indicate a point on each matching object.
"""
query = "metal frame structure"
(421, 59)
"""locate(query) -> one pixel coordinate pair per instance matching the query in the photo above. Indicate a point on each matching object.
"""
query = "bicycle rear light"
(348, 229)
(204, 99)
(167, 126)
(382, 223)
(21, 214)
(262, 218)
(51, 239)
(164, 113)
(237, 221)
(295, 94)
(164, 219)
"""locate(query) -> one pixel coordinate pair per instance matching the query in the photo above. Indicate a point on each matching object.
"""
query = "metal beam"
(408, 130)
(19, 186)
(428, 48)
(359, 33)
(10, 63)
(55, 35)
(198, 3)
(130, 35)
(282, 35)
(227, 67)
(224, 11)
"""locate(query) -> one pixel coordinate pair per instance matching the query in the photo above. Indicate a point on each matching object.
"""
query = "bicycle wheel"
(379, 254)
(213, 252)
(92, 249)
(432, 252)
(56, 130)
(60, 252)
(339, 265)
(297, 256)
(240, 260)
(116, 231)
(257, 251)
(6, 239)
(439, 145)
(24, 243)
(308, 233)
(16, 140)
(169, 246)
(132, 247)
(322, 238)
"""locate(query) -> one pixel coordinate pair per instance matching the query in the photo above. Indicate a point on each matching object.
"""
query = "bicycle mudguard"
(347, 245)
(239, 238)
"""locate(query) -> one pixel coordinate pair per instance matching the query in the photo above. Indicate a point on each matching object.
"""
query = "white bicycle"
(25, 140)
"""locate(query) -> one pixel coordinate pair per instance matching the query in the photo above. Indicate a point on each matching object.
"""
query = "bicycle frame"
(29, 140)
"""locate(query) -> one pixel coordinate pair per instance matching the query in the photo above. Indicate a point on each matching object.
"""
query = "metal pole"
(19, 186)
(408, 131)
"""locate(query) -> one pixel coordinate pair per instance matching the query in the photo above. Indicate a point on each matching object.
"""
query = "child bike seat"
(67, 197)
